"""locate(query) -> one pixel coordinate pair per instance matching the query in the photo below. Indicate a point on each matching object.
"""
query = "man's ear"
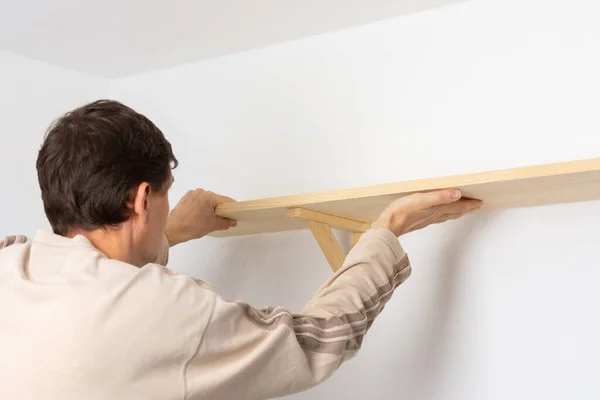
(141, 199)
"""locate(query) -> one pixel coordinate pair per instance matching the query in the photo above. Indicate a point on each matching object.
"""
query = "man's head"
(105, 167)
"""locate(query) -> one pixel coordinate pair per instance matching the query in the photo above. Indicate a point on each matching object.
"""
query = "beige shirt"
(77, 325)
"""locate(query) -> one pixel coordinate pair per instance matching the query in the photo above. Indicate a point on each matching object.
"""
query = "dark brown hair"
(92, 160)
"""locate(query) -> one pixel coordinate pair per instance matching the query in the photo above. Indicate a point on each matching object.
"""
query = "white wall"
(500, 306)
(32, 95)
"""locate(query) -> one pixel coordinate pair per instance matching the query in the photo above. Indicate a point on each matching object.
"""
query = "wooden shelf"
(518, 187)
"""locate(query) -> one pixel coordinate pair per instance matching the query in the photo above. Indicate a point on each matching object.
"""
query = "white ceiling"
(115, 38)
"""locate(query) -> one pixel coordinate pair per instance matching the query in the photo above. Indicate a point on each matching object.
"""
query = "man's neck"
(115, 244)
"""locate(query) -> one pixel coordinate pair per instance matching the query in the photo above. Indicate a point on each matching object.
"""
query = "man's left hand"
(194, 217)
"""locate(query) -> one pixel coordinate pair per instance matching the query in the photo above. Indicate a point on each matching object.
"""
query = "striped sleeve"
(10, 240)
(264, 353)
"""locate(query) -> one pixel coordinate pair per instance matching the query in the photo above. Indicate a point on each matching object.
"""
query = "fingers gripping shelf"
(354, 210)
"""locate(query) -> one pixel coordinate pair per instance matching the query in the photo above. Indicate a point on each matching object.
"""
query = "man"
(89, 311)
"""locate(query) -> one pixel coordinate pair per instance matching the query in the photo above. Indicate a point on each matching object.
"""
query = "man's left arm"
(163, 252)
(192, 218)
(10, 240)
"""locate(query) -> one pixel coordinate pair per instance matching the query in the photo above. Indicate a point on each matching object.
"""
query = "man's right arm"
(252, 353)
(261, 353)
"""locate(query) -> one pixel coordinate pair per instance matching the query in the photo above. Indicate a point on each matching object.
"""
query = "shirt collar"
(49, 237)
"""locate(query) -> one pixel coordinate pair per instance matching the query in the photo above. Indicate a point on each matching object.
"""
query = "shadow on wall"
(447, 303)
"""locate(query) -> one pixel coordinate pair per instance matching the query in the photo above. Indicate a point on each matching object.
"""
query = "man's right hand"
(418, 210)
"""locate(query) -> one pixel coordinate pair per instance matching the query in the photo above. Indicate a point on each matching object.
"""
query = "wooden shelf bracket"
(320, 225)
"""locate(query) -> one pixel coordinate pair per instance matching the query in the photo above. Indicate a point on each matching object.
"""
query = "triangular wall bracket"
(320, 225)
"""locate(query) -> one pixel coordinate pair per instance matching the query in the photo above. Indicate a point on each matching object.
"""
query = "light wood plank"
(518, 187)
(356, 237)
(334, 221)
(328, 244)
